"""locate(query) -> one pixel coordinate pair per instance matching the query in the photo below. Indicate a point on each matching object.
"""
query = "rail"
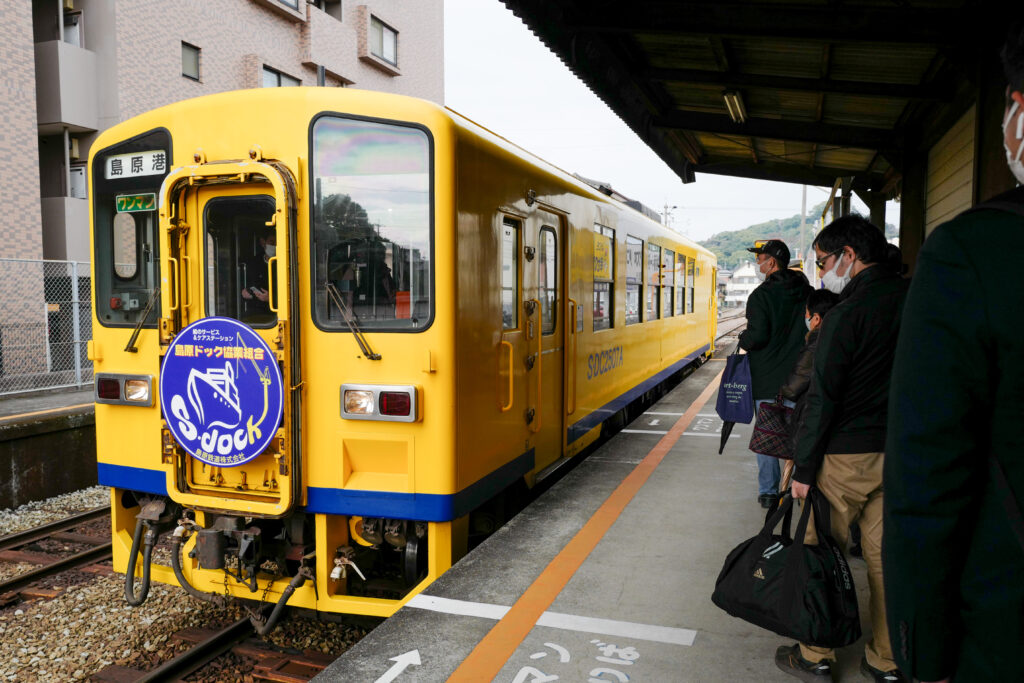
(201, 654)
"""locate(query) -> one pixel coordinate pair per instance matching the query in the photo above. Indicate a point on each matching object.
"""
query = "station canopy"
(798, 92)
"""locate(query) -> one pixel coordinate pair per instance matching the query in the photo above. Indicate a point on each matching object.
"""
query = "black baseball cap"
(777, 249)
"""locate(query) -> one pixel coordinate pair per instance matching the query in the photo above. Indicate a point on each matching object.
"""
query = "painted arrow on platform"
(401, 663)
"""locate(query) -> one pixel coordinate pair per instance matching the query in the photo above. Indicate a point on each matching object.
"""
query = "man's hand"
(799, 490)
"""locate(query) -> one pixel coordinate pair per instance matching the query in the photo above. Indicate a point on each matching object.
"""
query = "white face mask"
(807, 321)
(1013, 160)
(270, 250)
(758, 272)
(834, 282)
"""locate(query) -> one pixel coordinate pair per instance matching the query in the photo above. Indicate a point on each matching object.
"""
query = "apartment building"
(76, 67)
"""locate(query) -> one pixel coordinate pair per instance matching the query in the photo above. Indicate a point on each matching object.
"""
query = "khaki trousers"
(852, 483)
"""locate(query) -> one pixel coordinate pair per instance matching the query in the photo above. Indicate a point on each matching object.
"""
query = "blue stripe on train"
(579, 429)
(429, 507)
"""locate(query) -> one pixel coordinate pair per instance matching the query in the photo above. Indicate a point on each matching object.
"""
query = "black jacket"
(849, 394)
(799, 381)
(954, 573)
(775, 329)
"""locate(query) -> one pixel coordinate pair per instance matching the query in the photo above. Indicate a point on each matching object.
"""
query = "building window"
(634, 278)
(331, 7)
(190, 61)
(509, 274)
(273, 78)
(294, 4)
(383, 41)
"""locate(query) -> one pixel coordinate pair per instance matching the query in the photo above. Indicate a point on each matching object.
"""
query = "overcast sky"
(501, 76)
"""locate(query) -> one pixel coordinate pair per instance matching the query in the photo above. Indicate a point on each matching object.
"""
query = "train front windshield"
(372, 228)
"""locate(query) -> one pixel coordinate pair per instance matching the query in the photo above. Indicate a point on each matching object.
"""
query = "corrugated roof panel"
(780, 104)
(844, 157)
(705, 98)
(725, 146)
(859, 110)
(880, 63)
(677, 51)
(776, 57)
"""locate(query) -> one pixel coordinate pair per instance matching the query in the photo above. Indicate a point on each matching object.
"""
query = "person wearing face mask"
(773, 337)
(840, 440)
(954, 468)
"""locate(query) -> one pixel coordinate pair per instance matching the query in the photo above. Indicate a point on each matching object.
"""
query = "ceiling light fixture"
(734, 104)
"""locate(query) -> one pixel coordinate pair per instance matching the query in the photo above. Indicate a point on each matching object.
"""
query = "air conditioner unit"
(73, 148)
(69, 4)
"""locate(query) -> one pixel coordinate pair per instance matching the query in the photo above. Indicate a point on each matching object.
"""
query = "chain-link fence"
(45, 322)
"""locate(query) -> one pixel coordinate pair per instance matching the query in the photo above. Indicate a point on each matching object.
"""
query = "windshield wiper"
(131, 348)
(350, 320)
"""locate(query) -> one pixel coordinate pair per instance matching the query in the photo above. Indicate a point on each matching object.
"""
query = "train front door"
(544, 308)
(226, 236)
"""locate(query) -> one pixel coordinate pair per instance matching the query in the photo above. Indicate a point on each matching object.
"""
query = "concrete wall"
(47, 457)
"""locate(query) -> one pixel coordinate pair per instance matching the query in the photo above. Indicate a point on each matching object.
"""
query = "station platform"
(607, 576)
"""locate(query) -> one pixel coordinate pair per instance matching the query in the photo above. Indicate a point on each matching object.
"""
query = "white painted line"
(461, 607)
(644, 431)
(565, 622)
(611, 627)
(731, 436)
(651, 412)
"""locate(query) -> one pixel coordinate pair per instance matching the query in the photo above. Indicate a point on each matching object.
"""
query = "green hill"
(731, 246)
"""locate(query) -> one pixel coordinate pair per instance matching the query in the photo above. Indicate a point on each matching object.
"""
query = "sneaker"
(894, 676)
(767, 499)
(789, 660)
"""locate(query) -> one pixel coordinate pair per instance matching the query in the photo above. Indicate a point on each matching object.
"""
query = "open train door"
(230, 369)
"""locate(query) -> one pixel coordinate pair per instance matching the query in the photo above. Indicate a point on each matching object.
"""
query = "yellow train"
(331, 324)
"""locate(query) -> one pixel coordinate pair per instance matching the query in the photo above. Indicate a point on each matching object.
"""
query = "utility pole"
(667, 216)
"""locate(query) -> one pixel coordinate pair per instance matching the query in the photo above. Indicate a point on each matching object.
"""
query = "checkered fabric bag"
(771, 430)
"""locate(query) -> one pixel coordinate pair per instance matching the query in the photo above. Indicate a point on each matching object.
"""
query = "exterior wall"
(20, 231)
(741, 284)
(950, 184)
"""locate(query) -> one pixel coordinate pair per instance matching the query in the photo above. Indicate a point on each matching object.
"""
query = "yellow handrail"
(572, 360)
(511, 380)
(177, 280)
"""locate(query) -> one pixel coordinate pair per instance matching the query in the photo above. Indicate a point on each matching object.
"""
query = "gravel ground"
(89, 626)
(50, 510)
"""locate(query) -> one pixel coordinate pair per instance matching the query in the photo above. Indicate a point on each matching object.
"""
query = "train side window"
(634, 278)
(548, 283)
(689, 285)
(668, 279)
(680, 303)
(509, 274)
(653, 280)
(604, 277)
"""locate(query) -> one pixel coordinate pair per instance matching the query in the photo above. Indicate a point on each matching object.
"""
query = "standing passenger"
(774, 335)
(954, 538)
(840, 445)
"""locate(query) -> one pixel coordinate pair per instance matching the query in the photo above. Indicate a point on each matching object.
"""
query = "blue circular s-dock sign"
(221, 391)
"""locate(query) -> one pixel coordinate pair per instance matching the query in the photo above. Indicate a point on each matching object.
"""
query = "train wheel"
(415, 560)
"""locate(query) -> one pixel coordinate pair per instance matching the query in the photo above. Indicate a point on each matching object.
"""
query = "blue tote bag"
(735, 394)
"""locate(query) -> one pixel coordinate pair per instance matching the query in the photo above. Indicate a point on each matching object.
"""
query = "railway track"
(57, 531)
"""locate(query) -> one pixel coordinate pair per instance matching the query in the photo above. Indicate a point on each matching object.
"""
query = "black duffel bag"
(801, 591)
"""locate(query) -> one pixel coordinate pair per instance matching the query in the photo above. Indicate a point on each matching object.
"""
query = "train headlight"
(136, 390)
(384, 402)
(359, 402)
(125, 390)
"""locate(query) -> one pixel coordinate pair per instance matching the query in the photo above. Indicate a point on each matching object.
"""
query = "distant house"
(741, 284)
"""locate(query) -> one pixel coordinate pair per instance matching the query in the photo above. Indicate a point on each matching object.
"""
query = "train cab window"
(547, 284)
(634, 278)
(604, 277)
(372, 225)
(689, 285)
(667, 282)
(239, 250)
(680, 273)
(126, 180)
(509, 274)
(653, 280)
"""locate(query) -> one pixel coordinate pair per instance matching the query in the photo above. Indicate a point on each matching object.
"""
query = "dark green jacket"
(775, 330)
(846, 405)
(954, 573)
